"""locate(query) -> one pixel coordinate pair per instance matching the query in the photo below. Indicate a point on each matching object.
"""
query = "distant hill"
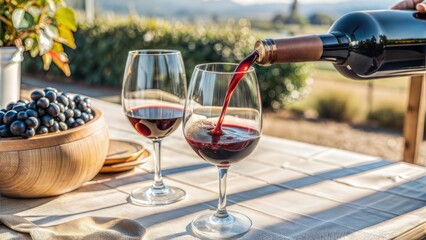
(196, 9)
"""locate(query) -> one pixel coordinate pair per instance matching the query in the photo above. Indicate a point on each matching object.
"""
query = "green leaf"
(47, 60)
(34, 50)
(51, 8)
(45, 43)
(61, 60)
(41, 2)
(66, 37)
(51, 31)
(65, 16)
(22, 19)
(35, 12)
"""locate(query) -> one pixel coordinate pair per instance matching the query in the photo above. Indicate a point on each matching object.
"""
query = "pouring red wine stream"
(239, 73)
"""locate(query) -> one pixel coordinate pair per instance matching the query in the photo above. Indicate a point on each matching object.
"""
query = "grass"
(325, 70)
(367, 97)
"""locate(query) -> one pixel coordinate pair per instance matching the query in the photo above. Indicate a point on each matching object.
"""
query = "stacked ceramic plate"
(124, 156)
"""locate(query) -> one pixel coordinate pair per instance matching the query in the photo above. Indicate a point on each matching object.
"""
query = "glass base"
(151, 197)
(208, 226)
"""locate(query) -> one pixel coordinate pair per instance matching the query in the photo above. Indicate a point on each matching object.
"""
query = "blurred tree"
(294, 9)
(279, 18)
(295, 17)
(320, 19)
(76, 4)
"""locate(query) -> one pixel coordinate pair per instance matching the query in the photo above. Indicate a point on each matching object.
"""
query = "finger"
(421, 7)
(406, 4)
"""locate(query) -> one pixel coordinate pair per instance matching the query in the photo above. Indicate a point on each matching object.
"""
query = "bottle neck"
(330, 47)
(335, 47)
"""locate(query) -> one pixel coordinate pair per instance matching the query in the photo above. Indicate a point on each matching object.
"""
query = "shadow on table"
(339, 221)
(17, 205)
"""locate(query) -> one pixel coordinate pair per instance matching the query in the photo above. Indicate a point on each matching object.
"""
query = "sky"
(248, 2)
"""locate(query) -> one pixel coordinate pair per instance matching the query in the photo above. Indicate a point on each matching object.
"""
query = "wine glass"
(238, 137)
(153, 94)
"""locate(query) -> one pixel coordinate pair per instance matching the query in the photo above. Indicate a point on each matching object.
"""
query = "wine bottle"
(361, 45)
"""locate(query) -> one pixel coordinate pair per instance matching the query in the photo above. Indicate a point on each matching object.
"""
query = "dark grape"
(71, 104)
(80, 121)
(41, 112)
(9, 117)
(67, 95)
(32, 122)
(48, 111)
(29, 133)
(51, 95)
(74, 124)
(69, 113)
(54, 127)
(42, 130)
(32, 105)
(17, 128)
(88, 102)
(85, 117)
(88, 111)
(78, 99)
(70, 121)
(23, 101)
(63, 99)
(47, 120)
(61, 107)
(82, 106)
(61, 117)
(10, 106)
(77, 113)
(37, 94)
(63, 126)
(53, 109)
(48, 89)
(43, 103)
(4, 131)
(19, 107)
(32, 113)
(1, 117)
(22, 116)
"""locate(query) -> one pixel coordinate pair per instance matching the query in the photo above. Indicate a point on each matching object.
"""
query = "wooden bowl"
(55, 163)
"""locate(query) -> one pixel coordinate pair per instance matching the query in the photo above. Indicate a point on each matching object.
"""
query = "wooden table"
(290, 190)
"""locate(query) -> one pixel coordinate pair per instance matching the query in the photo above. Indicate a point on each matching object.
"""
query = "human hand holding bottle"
(419, 5)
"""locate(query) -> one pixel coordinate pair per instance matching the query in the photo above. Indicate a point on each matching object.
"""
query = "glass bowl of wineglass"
(153, 94)
(222, 123)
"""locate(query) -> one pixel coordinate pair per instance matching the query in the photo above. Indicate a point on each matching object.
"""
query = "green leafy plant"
(103, 51)
(41, 27)
(336, 105)
(388, 115)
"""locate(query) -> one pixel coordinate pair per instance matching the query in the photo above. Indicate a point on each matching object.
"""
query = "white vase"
(10, 74)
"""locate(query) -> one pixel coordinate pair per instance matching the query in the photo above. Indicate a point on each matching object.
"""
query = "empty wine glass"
(239, 135)
(153, 94)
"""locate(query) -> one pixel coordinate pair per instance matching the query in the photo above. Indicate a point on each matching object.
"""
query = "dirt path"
(373, 141)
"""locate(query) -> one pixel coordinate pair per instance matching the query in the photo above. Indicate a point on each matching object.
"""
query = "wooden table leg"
(414, 121)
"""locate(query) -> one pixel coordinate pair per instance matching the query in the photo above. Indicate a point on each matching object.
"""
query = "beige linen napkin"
(96, 228)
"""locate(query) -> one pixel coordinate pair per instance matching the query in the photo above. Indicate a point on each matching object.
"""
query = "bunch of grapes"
(48, 111)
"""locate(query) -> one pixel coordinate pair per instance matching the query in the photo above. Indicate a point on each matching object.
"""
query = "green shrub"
(102, 49)
(337, 105)
(387, 115)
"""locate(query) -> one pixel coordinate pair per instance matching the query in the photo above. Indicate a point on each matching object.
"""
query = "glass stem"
(221, 206)
(158, 186)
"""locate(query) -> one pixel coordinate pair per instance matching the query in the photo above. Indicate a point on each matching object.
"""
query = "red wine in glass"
(239, 73)
(155, 122)
(232, 145)
(223, 142)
